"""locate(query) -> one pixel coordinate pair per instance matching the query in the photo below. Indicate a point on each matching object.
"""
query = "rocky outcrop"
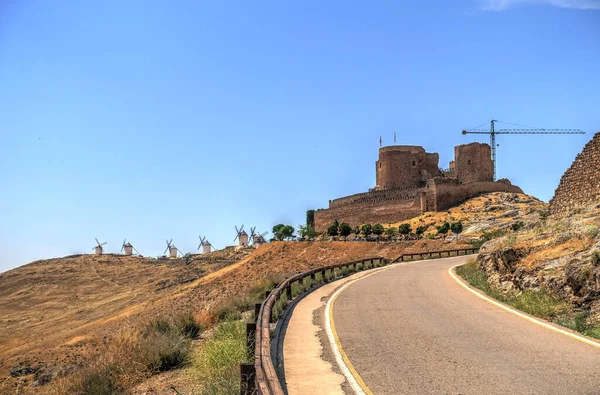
(516, 263)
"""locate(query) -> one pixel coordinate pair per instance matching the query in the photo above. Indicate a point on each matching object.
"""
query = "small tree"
(287, 232)
(344, 229)
(356, 230)
(456, 228)
(277, 231)
(333, 229)
(420, 230)
(378, 229)
(366, 229)
(391, 231)
(444, 228)
(404, 229)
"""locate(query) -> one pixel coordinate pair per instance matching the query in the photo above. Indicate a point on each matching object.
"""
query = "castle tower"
(404, 166)
(473, 162)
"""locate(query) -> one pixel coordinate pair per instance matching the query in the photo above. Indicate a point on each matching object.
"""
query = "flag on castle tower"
(380, 141)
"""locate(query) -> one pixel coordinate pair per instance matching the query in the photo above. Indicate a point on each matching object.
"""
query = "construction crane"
(493, 132)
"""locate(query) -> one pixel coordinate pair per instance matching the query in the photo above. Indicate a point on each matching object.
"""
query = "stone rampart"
(382, 211)
(395, 194)
(580, 185)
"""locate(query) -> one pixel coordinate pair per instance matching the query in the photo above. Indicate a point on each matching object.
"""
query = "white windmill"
(98, 249)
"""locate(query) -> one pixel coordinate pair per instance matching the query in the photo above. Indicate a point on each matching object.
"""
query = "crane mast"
(493, 132)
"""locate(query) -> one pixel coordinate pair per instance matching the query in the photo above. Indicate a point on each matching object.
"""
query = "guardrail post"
(251, 338)
(248, 379)
(256, 311)
(313, 276)
(288, 292)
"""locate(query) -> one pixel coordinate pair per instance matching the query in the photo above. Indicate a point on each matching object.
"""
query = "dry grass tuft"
(133, 355)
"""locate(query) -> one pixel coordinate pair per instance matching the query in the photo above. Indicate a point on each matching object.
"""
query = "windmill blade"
(199, 245)
(165, 250)
(136, 251)
(103, 244)
(242, 228)
(97, 242)
(170, 241)
(237, 230)
(123, 246)
(264, 234)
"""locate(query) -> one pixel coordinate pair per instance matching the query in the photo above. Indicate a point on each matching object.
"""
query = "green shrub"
(332, 230)
(378, 229)
(391, 231)
(404, 229)
(420, 230)
(345, 229)
(456, 227)
(444, 228)
(366, 229)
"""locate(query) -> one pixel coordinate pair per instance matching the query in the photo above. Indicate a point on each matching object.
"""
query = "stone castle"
(409, 182)
(580, 185)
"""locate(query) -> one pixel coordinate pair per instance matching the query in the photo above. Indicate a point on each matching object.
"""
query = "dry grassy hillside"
(486, 213)
(58, 312)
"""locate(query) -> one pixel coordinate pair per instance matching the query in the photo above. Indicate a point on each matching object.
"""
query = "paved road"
(414, 330)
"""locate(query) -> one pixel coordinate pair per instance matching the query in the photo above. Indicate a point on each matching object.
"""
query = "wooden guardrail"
(432, 254)
(261, 376)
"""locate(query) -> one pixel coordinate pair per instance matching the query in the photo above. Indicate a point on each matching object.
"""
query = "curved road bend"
(414, 330)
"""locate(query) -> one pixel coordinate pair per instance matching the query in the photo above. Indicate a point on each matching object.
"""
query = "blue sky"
(155, 119)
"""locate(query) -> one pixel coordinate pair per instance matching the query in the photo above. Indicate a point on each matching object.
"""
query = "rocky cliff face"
(561, 255)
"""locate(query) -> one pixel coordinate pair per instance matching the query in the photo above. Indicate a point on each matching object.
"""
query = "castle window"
(414, 163)
(380, 165)
(469, 162)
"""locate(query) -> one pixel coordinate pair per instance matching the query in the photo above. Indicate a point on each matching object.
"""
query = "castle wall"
(443, 193)
(580, 185)
(473, 162)
(401, 193)
(374, 211)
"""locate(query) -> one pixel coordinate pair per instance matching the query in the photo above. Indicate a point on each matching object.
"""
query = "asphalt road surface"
(414, 330)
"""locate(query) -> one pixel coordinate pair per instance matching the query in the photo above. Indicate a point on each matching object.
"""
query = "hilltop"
(56, 313)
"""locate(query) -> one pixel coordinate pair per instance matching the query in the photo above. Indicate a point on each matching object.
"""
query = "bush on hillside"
(404, 229)
(366, 230)
(444, 228)
(378, 229)
(345, 229)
